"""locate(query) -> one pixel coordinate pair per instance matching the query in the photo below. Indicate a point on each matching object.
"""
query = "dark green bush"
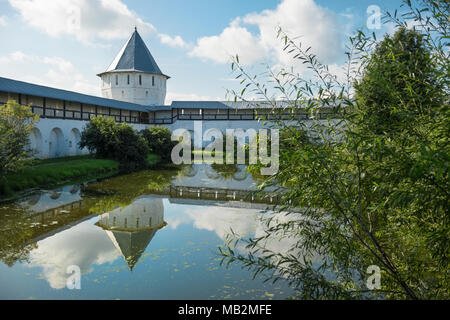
(131, 150)
(159, 142)
(120, 142)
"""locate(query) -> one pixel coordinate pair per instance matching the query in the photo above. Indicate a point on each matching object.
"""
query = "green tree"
(400, 83)
(372, 187)
(159, 141)
(16, 125)
(100, 137)
(131, 149)
(111, 140)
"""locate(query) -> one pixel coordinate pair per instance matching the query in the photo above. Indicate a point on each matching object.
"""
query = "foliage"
(153, 160)
(111, 140)
(372, 186)
(16, 124)
(400, 83)
(131, 149)
(159, 141)
(100, 137)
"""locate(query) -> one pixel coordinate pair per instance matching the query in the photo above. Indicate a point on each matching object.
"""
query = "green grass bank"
(54, 172)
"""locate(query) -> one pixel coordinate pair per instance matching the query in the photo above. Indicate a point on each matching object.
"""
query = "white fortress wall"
(55, 138)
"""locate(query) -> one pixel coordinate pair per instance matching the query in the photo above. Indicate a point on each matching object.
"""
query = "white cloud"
(175, 42)
(55, 254)
(87, 20)
(53, 72)
(173, 96)
(233, 40)
(3, 22)
(316, 26)
(244, 223)
(221, 220)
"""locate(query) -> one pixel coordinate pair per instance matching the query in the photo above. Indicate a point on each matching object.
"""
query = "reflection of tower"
(132, 228)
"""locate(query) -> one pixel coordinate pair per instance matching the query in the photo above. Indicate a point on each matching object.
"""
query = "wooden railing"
(250, 116)
(54, 113)
(78, 115)
(205, 193)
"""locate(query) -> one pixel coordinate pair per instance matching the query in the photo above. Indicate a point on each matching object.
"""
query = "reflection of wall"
(52, 199)
(204, 175)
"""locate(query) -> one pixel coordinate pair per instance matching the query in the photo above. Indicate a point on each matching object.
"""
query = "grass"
(38, 162)
(50, 173)
(153, 160)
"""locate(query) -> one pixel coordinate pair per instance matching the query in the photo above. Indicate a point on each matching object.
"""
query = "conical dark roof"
(135, 56)
(132, 244)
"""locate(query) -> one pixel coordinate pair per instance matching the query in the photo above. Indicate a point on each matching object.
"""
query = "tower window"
(146, 93)
(153, 81)
(117, 80)
(128, 79)
(140, 80)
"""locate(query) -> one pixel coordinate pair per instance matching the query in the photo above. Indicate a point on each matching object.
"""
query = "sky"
(66, 43)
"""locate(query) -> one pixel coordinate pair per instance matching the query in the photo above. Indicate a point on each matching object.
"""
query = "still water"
(146, 235)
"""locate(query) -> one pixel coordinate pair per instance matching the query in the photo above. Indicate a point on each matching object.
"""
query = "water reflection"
(132, 228)
(81, 245)
(217, 176)
(53, 199)
(121, 223)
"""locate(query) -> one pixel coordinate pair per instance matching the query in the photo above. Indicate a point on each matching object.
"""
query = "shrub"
(131, 149)
(100, 137)
(16, 124)
(159, 141)
(120, 142)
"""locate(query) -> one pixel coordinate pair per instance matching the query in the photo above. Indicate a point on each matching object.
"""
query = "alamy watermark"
(257, 146)
(73, 281)
(374, 17)
(374, 280)
(73, 23)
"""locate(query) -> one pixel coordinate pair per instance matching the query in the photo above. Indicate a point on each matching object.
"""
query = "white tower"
(134, 76)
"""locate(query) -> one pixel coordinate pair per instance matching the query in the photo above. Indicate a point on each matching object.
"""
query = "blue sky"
(65, 43)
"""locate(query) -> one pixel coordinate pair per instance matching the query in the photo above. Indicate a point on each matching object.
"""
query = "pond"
(146, 235)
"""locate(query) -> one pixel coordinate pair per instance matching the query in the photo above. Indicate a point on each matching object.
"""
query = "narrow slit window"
(117, 80)
(128, 79)
(140, 80)
(153, 81)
